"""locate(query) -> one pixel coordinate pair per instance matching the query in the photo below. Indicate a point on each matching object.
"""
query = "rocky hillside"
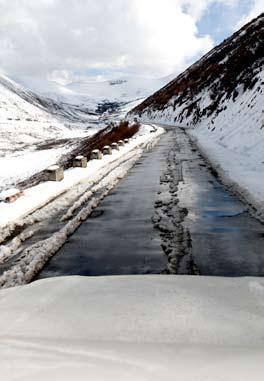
(221, 88)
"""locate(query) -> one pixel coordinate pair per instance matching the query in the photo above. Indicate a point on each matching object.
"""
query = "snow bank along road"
(60, 208)
(170, 203)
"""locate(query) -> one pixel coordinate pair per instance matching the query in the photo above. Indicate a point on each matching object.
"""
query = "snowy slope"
(221, 99)
(22, 121)
(214, 85)
(120, 90)
(27, 119)
(59, 107)
(151, 327)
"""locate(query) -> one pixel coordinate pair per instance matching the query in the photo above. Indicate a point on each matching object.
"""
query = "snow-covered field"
(133, 328)
(27, 155)
(17, 168)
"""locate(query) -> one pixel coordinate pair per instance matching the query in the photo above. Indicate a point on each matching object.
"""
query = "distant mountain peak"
(117, 82)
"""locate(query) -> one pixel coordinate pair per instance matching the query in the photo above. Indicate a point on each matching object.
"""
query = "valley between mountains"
(131, 205)
(185, 196)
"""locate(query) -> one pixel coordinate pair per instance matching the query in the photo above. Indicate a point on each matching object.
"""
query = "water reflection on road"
(119, 238)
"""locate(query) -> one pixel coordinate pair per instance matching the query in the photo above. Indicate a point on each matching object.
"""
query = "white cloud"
(152, 37)
(256, 8)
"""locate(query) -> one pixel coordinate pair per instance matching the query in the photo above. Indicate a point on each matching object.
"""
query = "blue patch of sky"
(220, 20)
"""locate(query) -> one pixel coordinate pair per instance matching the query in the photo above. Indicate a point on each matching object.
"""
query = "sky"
(68, 40)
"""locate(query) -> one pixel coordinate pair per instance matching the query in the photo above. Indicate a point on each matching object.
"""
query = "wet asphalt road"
(226, 239)
(119, 238)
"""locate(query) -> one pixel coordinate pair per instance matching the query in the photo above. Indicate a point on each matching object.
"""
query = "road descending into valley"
(169, 214)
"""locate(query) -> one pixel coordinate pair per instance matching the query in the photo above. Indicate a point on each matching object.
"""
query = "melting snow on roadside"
(106, 174)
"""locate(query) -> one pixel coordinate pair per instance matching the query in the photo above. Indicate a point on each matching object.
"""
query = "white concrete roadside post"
(80, 162)
(96, 155)
(107, 150)
(115, 146)
(54, 173)
(121, 143)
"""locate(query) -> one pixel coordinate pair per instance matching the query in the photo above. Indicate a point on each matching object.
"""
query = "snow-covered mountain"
(21, 103)
(220, 99)
(23, 119)
(120, 90)
(222, 93)
(26, 117)
(97, 96)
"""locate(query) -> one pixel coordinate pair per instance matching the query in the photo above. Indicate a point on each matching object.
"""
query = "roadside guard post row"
(56, 172)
